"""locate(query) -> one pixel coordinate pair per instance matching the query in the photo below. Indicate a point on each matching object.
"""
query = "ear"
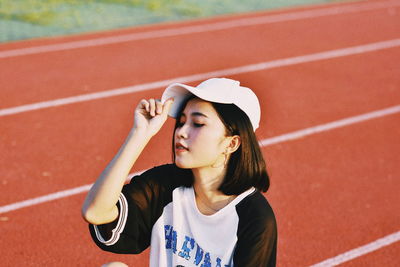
(234, 144)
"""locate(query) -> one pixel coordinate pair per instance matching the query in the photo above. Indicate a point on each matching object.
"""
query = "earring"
(226, 157)
(225, 160)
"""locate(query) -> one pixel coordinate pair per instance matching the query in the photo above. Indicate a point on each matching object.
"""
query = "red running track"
(332, 191)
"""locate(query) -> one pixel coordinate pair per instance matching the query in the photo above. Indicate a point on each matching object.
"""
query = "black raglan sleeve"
(257, 233)
(140, 204)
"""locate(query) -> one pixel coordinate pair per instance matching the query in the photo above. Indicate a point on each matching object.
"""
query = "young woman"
(205, 209)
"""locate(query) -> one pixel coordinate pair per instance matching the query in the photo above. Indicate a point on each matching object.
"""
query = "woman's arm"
(100, 203)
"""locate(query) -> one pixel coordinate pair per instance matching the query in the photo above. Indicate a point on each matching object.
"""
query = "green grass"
(48, 12)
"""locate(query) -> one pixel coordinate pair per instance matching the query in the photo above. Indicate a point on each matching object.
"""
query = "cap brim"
(181, 92)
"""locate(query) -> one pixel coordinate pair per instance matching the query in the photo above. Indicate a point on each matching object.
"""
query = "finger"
(152, 103)
(167, 106)
(144, 104)
(159, 106)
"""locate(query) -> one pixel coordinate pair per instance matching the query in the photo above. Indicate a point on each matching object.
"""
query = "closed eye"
(197, 125)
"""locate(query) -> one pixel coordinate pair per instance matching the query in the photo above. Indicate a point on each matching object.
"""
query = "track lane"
(263, 143)
(326, 55)
(48, 152)
(54, 235)
(302, 171)
(374, 246)
(65, 147)
(74, 72)
(387, 256)
(335, 191)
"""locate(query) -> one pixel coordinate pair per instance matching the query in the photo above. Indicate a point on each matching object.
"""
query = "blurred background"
(26, 19)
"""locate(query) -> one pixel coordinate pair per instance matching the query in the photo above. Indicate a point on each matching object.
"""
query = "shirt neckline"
(222, 211)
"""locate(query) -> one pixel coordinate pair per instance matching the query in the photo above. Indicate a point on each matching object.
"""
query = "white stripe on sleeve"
(116, 232)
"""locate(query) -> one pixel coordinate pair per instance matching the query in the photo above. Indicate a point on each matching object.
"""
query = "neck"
(206, 184)
(208, 180)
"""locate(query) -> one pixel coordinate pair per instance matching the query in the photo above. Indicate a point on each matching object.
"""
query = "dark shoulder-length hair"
(246, 166)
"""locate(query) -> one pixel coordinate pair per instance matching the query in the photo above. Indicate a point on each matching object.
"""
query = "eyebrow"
(199, 114)
(195, 114)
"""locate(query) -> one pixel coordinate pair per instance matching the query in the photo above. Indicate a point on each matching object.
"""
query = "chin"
(182, 165)
(185, 162)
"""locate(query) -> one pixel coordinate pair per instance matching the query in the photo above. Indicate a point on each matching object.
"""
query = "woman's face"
(200, 138)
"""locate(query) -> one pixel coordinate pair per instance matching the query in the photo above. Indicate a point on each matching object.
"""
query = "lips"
(180, 147)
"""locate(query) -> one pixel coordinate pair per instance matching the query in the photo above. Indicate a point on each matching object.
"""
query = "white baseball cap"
(217, 90)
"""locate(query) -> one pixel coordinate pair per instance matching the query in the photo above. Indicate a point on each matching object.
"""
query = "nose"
(182, 132)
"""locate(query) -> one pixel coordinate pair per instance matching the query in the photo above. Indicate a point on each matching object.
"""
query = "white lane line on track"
(219, 73)
(357, 252)
(297, 15)
(266, 142)
(329, 126)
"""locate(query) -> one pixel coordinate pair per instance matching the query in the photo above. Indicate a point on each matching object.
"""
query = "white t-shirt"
(159, 209)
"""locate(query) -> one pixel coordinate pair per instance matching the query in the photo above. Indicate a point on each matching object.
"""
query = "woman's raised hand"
(150, 115)
(100, 204)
